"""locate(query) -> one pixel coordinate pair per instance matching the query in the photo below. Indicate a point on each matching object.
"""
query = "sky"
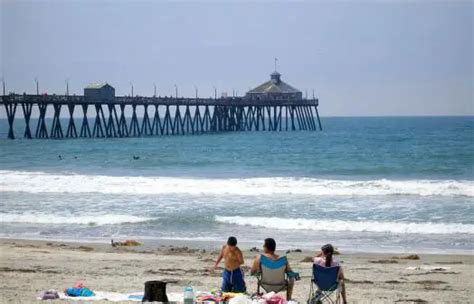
(362, 58)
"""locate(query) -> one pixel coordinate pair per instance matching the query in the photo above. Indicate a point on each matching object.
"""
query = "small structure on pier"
(99, 92)
(275, 88)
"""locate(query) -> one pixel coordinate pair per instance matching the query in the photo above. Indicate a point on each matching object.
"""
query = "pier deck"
(159, 115)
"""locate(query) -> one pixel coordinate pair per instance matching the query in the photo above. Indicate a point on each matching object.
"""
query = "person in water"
(233, 276)
(324, 258)
(269, 248)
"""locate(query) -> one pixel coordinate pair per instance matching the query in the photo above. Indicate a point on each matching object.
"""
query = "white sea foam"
(37, 182)
(44, 218)
(339, 225)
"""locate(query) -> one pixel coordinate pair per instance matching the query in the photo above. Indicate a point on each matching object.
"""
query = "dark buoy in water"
(60, 157)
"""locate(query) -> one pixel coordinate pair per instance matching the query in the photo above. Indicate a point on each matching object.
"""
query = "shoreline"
(151, 243)
(28, 267)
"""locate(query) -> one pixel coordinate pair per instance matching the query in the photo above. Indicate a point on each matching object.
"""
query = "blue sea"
(379, 184)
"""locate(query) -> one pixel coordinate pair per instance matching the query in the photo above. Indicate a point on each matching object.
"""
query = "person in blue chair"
(274, 270)
(325, 259)
(233, 276)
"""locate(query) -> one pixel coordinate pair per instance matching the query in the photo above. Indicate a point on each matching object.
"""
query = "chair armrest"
(293, 275)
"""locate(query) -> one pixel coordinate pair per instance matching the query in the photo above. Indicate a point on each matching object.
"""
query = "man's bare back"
(232, 257)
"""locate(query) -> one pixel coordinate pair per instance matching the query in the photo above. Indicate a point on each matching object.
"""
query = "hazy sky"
(361, 57)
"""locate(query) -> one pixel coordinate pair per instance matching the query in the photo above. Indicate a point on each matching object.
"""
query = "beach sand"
(27, 267)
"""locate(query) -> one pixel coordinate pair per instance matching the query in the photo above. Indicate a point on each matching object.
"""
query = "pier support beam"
(112, 121)
(98, 131)
(146, 129)
(156, 127)
(27, 109)
(85, 130)
(71, 131)
(134, 126)
(56, 129)
(41, 131)
(319, 121)
(122, 124)
(11, 110)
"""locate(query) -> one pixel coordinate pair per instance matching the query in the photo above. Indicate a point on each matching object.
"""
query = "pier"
(102, 114)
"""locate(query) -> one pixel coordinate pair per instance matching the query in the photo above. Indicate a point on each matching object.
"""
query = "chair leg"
(311, 295)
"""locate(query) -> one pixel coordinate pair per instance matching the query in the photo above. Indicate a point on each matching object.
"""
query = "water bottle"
(188, 295)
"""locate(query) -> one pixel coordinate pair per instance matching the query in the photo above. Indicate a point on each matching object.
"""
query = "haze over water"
(377, 184)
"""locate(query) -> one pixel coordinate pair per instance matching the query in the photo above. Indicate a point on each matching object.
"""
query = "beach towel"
(105, 296)
(274, 298)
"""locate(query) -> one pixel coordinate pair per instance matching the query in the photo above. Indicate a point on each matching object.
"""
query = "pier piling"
(161, 116)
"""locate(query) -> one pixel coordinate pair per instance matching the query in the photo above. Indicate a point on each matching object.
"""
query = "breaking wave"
(354, 226)
(37, 182)
(43, 218)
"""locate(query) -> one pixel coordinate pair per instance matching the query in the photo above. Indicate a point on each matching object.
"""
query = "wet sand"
(27, 267)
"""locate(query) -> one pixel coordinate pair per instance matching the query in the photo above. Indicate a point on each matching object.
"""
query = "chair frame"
(318, 296)
(284, 287)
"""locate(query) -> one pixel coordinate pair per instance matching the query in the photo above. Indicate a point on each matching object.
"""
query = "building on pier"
(99, 92)
(275, 88)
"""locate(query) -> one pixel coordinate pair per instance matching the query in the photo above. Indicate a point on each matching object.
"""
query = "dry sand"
(27, 267)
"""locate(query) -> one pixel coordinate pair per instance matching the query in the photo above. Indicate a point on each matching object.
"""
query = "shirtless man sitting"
(269, 248)
(233, 276)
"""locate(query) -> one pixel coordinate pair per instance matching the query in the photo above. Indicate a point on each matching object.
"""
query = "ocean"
(377, 184)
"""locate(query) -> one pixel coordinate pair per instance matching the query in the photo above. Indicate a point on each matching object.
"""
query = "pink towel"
(277, 299)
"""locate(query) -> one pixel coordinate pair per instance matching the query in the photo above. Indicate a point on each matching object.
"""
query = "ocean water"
(364, 184)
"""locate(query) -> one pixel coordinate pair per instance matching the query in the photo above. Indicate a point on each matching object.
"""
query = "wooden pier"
(161, 115)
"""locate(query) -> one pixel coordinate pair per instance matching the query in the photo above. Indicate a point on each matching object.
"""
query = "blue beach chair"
(273, 275)
(326, 281)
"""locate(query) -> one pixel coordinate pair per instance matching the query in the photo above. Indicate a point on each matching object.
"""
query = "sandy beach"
(27, 267)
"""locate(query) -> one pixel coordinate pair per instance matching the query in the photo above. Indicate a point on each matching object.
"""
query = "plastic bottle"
(188, 295)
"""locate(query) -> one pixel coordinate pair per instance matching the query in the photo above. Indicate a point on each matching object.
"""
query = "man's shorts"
(233, 281)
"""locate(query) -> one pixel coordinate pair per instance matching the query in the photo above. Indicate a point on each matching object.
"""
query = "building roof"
(98, 85)
(274, 85)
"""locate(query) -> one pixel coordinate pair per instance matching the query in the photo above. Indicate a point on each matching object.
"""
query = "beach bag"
(155, 291)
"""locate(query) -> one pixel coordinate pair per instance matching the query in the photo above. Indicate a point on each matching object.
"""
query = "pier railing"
(160, 115)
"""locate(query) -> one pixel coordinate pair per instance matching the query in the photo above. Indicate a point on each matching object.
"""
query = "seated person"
(325, 259)
(233, 276)
(269, 248)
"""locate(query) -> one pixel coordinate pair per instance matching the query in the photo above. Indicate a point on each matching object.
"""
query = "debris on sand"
(384, 262)
(411, 300)
(293, 250)
(358, 282)
(126, 243)
(254, 249)
(85, 248)
(408, 257)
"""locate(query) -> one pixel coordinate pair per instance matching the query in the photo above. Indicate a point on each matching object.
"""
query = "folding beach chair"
(273, 275)
(326, 281)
